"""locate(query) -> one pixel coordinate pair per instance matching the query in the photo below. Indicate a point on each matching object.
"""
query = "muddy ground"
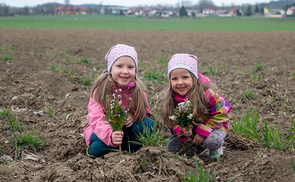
(29, 87)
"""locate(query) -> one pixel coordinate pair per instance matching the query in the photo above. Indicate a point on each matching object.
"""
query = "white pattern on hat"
(186, 61)
(118, 51)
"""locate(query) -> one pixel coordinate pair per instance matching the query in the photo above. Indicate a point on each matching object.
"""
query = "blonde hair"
(104, 87)
(196, 96)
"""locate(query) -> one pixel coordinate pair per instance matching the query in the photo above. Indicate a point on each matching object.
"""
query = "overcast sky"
(22, 3)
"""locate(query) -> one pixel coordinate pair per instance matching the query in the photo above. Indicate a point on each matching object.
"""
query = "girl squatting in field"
(120, 75)
(209, 108)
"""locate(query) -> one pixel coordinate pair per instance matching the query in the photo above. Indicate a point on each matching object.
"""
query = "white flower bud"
(172, 117)
(190, 116)
(120, 90)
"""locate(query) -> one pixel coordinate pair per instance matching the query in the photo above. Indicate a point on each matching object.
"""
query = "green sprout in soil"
(13, 124)
(267, 136)
(145, 163)
(256, 78)
(7, 57)
(224, 67)
(36, 53)
(29, 141)
(5, 165)
(6, 113)
(86, 80)
(56, 54)
(213, 72)
(68, 70)
(293, 165)
(68, 59)
(56, 69)
(163, 61)
(247, 95)
(51, 113)
(201, 174)
(84, 60)
(8, 48)
(151, 137)
(257, 68)
(157, 77)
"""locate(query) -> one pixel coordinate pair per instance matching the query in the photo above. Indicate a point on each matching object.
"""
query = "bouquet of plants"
(116, 115)
(183, 114)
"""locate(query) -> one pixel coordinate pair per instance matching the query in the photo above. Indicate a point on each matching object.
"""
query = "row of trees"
(50, 8)
(4, 10)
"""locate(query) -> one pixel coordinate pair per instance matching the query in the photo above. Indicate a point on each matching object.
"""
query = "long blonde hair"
(196, 96)
(104, 87)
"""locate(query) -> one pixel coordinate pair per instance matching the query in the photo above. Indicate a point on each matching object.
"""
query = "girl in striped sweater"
(209, 109)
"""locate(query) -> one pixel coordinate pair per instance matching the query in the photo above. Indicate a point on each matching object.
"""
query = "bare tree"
(49, 8)
(206, 4)
(67, 2)
(4, 10)
(26, 10)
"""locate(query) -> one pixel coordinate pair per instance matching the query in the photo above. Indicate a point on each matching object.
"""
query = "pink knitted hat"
(118, 51)
(186, 61)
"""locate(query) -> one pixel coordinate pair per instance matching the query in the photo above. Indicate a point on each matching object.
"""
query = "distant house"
(71, 10)
(137, 11)
(290, 11)
(236, 12)
(208, 11)
(191, 12)
(222, 13)
(274, 13)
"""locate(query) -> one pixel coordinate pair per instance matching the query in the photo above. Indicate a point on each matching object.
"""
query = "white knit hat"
(186, 61)
(118, 51)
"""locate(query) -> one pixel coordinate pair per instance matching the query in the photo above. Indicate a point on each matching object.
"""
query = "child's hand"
(198, 139)
(187, 132)
(129, 121)
(117, 137)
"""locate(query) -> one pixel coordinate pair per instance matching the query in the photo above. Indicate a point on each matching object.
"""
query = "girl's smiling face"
(181, 81)
(123, 70)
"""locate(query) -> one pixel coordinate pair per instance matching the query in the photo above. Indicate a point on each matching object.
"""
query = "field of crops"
(141, 23)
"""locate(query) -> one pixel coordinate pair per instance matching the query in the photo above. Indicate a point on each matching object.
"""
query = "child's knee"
(149, 123)
(213, 143)
(174, 144)
(95, 149)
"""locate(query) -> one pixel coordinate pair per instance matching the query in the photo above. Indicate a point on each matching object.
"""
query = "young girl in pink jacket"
(121, 75)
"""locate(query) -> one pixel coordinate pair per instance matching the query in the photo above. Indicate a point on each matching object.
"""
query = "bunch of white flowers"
(183, 114)
(116, 115)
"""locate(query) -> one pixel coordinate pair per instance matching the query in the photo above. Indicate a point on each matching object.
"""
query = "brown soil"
(28, 86)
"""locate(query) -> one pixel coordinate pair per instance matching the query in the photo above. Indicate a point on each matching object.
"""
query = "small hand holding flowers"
(117, 116)
(184, 117)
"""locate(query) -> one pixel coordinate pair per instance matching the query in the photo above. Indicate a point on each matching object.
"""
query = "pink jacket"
(99, 126)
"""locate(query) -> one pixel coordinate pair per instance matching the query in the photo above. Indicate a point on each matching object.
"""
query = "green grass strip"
(140, 23)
